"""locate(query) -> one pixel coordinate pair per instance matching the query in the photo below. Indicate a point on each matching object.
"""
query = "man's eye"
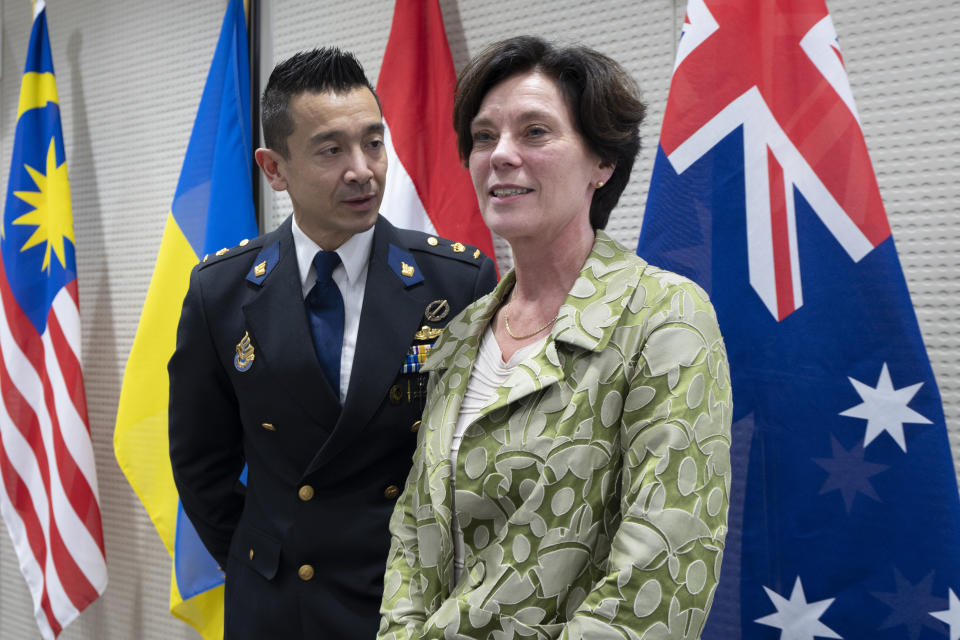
(330, 151)
(376, 144)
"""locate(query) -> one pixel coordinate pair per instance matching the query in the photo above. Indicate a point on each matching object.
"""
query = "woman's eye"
(481, 136)
(536, 131)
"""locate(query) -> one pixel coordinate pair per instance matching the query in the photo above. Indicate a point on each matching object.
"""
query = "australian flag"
(844, 513)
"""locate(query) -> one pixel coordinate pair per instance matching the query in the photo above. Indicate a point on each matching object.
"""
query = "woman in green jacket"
(572, 472)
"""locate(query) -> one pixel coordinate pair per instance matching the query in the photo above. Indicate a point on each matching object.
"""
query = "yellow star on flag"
(52, 213)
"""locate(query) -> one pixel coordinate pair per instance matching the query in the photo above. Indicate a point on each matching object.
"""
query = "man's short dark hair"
(316, 71)
(603, 98)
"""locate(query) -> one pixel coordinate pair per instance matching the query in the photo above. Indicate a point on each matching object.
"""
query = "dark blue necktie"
(324, 306)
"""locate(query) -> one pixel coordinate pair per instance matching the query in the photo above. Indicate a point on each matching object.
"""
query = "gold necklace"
(506, 323)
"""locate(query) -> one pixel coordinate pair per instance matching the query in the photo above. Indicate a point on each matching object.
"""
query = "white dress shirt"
(350, 276)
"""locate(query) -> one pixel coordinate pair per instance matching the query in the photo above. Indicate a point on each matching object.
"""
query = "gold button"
(305, 493)
(458, 247)
(222, 251)
(244, 242)
(251, 554)
(305, 572)
(432, 241)
(268, 426)
(415, 426)
(391, 492)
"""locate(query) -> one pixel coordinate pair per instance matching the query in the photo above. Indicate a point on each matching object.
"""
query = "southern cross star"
(885, 408)
(909, 605)
(951, 616)
(796, 618)
(849, 473)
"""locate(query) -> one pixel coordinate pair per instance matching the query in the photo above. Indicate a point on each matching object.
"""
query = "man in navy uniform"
(298, 355)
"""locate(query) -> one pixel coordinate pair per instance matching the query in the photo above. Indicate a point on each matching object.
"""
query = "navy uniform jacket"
(304, 544)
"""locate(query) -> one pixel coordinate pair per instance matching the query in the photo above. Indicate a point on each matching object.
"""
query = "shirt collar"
(354, 254)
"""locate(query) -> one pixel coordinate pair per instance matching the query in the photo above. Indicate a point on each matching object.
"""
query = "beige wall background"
(130, 74)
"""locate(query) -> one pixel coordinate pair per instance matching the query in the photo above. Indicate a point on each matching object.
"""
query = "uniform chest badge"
(437, 310)
(244, 358)
(427, 333)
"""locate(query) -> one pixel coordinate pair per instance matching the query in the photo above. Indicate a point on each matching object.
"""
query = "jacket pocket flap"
(258, 550)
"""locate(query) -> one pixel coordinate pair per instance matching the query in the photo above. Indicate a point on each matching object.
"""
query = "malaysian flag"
(844, 516)
(48, 483)
(428, 189)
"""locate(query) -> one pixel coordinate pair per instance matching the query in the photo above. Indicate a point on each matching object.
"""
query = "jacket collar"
(354, 255)
(604, 290)
(586, 319)
(287, 344)
(606, 287)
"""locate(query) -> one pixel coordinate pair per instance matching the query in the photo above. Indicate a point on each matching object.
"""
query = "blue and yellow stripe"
(212, 208)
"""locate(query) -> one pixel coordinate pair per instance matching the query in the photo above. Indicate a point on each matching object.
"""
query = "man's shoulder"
(226, 254)
(226, 261)
(422, 243)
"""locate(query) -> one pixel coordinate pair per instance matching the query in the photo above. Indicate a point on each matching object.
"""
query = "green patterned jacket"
(592, 490)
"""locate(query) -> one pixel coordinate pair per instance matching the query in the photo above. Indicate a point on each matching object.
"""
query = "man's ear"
(270, 161)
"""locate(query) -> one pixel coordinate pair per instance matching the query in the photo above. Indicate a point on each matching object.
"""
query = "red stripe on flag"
(85, 503)
(75, 485)
(24, 419)
(78, 588)
(76, 585)
(23, 331)
(762, 49)
(19, 496)
(78, 490)
(783, 275)
(74, 292)
(416, 86)
(69, 366)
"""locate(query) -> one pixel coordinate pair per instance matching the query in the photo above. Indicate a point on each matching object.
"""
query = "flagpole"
(253, 31)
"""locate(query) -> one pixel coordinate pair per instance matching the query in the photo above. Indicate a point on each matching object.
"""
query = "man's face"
(336, 164)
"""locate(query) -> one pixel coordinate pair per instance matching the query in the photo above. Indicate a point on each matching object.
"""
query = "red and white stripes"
(48, 484)
(427, 187)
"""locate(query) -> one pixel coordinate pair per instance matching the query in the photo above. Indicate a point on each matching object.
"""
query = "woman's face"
(532, 171)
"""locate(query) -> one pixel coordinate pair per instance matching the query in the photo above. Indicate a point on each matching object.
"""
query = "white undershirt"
(489, 373)
(351, 278)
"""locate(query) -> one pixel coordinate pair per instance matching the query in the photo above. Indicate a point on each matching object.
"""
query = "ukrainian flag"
(212, 209)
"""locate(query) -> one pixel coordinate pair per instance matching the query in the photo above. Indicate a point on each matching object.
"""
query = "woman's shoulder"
(651, 278)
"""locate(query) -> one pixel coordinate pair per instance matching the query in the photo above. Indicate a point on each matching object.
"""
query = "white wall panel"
(130, 75)
(903, 60)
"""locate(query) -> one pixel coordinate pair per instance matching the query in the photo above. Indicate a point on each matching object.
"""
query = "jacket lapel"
(450, 364)
(587, 320)
(287, 346)
(391, 315)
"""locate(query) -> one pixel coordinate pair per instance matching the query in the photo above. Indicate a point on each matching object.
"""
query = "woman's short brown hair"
(601, 95)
